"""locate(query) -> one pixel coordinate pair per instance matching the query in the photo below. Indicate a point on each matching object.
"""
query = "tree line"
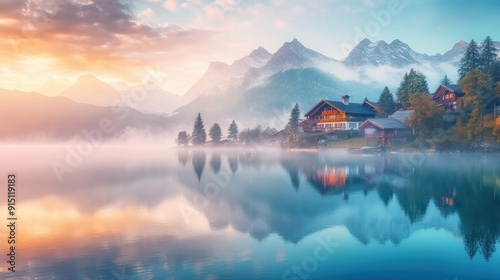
(199, 135)
(248, 135)
(479, 81)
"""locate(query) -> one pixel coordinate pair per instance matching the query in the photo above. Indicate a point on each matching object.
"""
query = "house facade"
(446, 96)
(385, 129)
(338, 115)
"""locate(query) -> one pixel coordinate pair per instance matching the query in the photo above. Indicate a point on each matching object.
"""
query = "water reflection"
(215, 162)
(183, 156)
(253, 213)
(233, 163)
(199, 158)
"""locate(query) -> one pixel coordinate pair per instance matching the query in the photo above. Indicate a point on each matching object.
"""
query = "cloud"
(100, 36)
(171, 5)
(281, 24)
(146, 13)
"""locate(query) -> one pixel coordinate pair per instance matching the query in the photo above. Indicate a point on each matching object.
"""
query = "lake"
(153, 212)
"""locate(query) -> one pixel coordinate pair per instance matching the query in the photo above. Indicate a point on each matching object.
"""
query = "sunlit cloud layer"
(123, 40)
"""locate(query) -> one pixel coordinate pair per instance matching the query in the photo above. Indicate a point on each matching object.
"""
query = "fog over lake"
(148, 211)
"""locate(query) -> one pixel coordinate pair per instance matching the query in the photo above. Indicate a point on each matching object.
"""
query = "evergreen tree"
(233, 131)
(402, 91)
(478, 93)
(477, 89)
(445, 81)
(293, 124)
(386, 101)
(182, 138)
(199, 134)
(470, 60)
(494, 72)
(413, 83)
(488, 54)
(215, 133)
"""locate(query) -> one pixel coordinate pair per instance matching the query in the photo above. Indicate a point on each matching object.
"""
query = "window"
(370, 131)
(353, 125)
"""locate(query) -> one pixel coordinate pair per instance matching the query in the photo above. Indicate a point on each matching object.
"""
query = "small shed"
(384, 129)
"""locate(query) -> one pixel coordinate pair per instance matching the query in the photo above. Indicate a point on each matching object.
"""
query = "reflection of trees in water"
(454, 184)
(468, 190)
(182, 156)
(232, 160)
(385, 192)
(461, 187)
(199, 158)
(479, 210)
(215, 162)
(292, 167)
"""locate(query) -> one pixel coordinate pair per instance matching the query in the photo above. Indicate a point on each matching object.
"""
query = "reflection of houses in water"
(332, 177)
(335, 176)
(445, 202)
(337, 179)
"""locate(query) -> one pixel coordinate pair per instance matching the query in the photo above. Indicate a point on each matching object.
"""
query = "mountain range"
(264, 91)
(261, 87)
(33, 116)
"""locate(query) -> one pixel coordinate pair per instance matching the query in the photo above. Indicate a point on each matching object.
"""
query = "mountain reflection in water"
(253, 213)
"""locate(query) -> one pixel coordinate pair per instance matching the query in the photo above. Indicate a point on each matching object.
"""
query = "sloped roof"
(385, 123)
(401, 115)
(352, 108)
(454, 88)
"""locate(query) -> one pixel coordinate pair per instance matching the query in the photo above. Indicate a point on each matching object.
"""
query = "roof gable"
(447, 88)
(352, 108)
(384, 123)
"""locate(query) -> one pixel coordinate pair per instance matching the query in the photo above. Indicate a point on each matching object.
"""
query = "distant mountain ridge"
(30, 116)
(90, 90)
(294, 55)
(221, 76)
(148, 98)
(297, 74)
(399, 54)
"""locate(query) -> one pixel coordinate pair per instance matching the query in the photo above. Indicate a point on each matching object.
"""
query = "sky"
(173, 41)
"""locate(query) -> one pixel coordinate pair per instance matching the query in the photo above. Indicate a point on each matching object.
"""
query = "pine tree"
(386, 101)
(470, 60)
(488, 54)
(478, 93)
(182, 138)
(233, 131)
(199, 134)
(215, 133)
(413, 83)
(402, 91)
(293, 124)
(445, 81)
(477, 89)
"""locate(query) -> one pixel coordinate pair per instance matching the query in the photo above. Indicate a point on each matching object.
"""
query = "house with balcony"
(446, 96)
(338, 115)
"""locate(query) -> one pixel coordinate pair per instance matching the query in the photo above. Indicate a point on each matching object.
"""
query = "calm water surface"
(150, 212)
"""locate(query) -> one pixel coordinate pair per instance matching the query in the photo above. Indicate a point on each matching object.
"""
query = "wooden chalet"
(384, 129)
(338, 115)
(446, 96)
